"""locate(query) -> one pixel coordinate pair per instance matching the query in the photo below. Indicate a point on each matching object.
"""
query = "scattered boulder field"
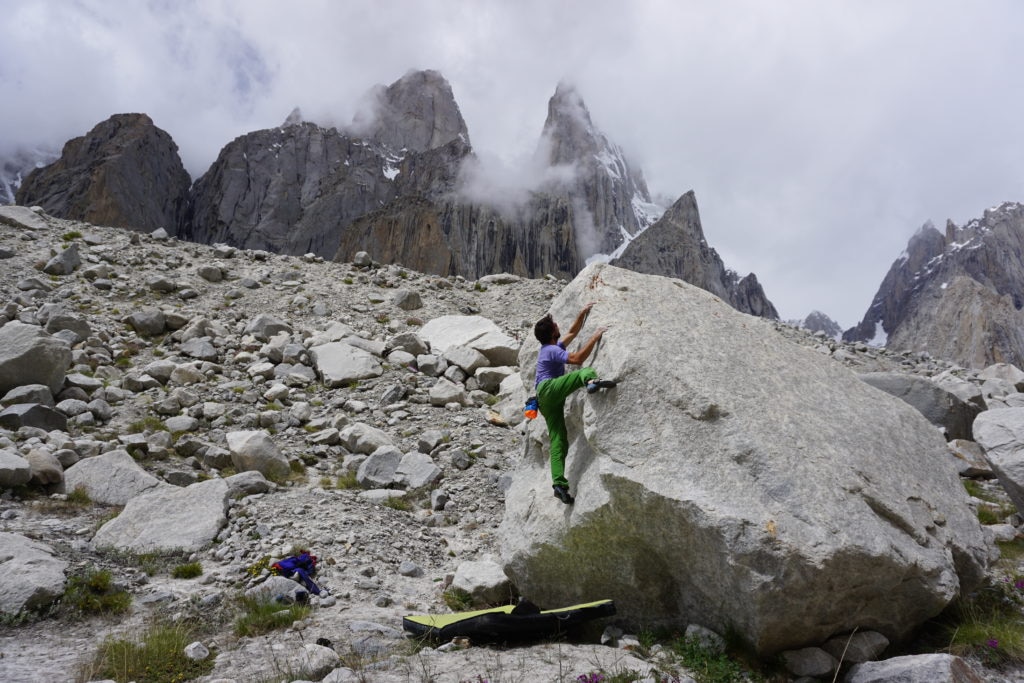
(230, 407)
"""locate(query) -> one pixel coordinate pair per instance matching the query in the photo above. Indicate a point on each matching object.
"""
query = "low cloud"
(506, 185)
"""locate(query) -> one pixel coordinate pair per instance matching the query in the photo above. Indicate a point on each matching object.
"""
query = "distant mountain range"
(402, 183)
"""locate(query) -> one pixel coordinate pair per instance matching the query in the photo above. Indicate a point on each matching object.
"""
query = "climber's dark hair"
(544, 329)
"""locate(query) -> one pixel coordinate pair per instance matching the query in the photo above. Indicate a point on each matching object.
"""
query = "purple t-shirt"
(551, 362)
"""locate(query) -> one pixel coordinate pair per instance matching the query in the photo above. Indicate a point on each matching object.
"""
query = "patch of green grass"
(988, 515)
(158, 656)
(348, 281)
(71, 504)
(150, 563)
(148, 423)
(457, 599)
(989, 623)
(1011, 551)
(398, 503)
(347, 481)
(93, 593)
(71, 235)
(708, 666)
(189, 570)
(974, 489)
(262, 616)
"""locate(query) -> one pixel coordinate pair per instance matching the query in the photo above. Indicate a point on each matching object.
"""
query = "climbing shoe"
(562, 494)
(596, 384)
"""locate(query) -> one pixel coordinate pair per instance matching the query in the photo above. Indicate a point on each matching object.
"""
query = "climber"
(553, 386)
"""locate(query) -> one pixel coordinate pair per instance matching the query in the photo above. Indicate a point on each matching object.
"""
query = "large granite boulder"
(37, 415)
(473, 331)
(29, 355)
(169, 519)
(112, 478)
(941, 407)
(31, 576)
(339, 363)
(124, 172)
(255, 450)
(1000, 433)
(736, 480)
(14, 469)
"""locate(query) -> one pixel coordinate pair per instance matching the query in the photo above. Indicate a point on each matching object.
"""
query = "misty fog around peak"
(506, 184)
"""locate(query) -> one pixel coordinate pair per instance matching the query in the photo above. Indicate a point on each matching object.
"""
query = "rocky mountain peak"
(955, 294)
(125, 172)
(417, 112)
(675, 246)
(569, 128)
(816, 321)
(615, 203)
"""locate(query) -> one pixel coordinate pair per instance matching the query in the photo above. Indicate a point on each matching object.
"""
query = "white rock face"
(473, 331)
(256, 451)
(729, 472)
(30, 575)
(362, 438)
(339, 363)
(169, 519)
(112, 478)
(28, 355)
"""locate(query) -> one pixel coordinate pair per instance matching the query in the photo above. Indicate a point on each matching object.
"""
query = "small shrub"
(257, 567)
(93, 593)
(348, 281)
(189, 570)
(71, 235)
(157, 657)
(457, 599)
(262, 616)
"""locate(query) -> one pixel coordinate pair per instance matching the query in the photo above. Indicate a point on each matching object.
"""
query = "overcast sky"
(818, 135)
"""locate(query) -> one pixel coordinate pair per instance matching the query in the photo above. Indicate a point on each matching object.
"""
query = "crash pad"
(524, 621)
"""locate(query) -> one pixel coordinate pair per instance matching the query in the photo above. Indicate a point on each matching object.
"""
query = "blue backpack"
(303, 564)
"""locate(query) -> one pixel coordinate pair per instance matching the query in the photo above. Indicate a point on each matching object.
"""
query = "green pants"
(551, 395)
